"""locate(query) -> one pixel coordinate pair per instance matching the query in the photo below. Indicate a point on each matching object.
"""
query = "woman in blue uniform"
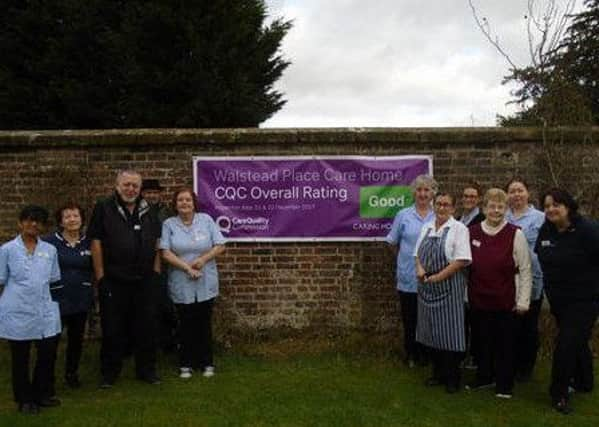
(75, 295)
(190, 243)
(530, 220)
(402, 240)
(568, 250)
(28, 267)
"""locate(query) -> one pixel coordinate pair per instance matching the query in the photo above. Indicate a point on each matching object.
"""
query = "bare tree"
(547, 21)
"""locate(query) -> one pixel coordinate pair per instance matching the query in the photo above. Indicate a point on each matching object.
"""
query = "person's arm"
(97, 259)
(523, 279)
(3, 269)
(157, 261)
(95, 233)
(218, 245)
(56, 286)
(450, 269)
(171, 258)
(393, 239)
(420, 272)
(200, 261)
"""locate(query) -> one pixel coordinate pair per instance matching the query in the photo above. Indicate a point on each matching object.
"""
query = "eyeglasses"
(443, 205)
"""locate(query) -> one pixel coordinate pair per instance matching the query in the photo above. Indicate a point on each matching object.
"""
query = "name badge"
(198, 235)
(545, 243)
(43, 254)
(137, 227)
(475, 243)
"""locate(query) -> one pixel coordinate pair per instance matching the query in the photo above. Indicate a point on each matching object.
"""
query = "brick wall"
(273, 285)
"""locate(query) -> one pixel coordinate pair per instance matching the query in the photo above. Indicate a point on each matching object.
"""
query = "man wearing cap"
(124, 232)
(151, 191)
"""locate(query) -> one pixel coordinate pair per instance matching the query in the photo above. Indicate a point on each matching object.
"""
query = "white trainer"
(208, 371)
(184, 372)
(503, 395)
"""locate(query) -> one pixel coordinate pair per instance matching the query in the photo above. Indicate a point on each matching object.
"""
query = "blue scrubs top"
(27, 311)
(404, 233)
(530, 223)
(189, 242)
(75, 294)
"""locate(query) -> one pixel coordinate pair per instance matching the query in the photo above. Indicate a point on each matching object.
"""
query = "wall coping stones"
(278, 136)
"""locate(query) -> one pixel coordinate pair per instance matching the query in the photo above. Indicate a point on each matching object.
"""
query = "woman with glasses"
(499, 289)
(442, 251)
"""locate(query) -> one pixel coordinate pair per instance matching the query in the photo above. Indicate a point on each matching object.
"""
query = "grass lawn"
(259, 387)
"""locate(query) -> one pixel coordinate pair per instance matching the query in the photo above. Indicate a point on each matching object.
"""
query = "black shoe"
(562, 406)
(49, 402)
(432, 382)
(152, 379)
(29, 408)
(72, 380)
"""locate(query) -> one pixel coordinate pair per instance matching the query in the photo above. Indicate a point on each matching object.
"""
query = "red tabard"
(492, 285)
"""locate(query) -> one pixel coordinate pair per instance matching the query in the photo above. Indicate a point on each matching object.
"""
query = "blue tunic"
(27, 311)
(75, 294)
(189, 242)
(404, 233)
(530, 223)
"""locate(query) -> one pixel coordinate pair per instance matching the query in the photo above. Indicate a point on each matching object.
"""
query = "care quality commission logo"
(384, 201)
(226, 224)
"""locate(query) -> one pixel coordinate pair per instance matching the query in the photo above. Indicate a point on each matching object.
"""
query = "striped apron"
(440, 305)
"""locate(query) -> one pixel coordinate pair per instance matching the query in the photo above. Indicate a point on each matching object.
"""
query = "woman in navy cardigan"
(75, 295)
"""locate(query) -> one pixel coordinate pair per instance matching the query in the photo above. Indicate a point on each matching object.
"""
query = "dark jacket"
(479, 217)
(570, 261)
(74, 292)
(129, 240)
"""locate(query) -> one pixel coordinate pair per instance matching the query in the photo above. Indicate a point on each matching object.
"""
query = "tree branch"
(485, 28)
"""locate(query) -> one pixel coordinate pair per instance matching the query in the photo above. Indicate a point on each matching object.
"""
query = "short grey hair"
(122, 172)
(425, 181)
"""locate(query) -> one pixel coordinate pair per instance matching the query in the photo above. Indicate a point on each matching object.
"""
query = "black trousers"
(409, 317)
(495, 335)
(27, 389)
(526, 343)
(75, 326)
(572, 357)
(195, 334)
(127, 311)
(166, 332)
(446, 366)
(472, 345)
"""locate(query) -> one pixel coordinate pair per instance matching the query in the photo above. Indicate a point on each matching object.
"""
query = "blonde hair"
(495, 195)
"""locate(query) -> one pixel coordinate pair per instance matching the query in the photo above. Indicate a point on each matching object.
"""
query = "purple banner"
(306, 198)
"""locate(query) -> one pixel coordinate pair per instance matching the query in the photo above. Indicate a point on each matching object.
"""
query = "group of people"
(48, 281)
(471, 288)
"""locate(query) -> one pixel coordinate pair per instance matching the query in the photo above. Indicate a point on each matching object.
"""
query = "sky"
(397, 63)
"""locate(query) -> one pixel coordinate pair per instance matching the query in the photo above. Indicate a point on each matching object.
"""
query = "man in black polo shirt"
(124, 233)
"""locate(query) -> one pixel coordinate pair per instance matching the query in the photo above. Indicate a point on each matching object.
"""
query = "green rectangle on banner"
(384, 201)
